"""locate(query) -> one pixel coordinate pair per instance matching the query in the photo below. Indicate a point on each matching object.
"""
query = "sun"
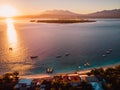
(8, 11)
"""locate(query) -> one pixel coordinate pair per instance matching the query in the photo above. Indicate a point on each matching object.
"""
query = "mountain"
(59, 14)
(65, 14)
(115, 13)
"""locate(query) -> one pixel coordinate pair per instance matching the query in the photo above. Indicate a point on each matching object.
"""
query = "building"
(96, 84)
(23, 84)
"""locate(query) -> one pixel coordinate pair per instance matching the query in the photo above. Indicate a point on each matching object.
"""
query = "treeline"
(8, 81)
(111, 76)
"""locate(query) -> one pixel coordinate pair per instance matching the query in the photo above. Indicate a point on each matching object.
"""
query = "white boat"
(87, 64)
(103, 55)
(49, 70)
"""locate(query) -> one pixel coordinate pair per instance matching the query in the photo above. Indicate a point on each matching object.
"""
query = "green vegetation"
(109, 78)
(8, 81)
(111, 75)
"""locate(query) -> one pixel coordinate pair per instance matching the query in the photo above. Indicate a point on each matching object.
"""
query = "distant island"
(63, 21)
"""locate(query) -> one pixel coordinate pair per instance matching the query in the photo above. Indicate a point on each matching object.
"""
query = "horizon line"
(42, 12)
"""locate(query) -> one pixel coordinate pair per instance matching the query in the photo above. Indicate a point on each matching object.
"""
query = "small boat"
(10, 49)
(49, 70)
(108, 52)
(67, 54)
(87, 64)
(103, 55)
(33, 57)
(59, 56)
(79, 66)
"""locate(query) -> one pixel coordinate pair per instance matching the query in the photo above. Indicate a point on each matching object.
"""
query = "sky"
(26, 7)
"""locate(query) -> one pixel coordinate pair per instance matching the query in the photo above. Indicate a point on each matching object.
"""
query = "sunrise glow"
(8, 11)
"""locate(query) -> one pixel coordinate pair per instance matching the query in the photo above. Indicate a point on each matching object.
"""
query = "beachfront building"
(23, 84)
(96, 84)
(73, 80)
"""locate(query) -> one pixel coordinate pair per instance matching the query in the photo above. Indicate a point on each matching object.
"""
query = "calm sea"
(84, 42)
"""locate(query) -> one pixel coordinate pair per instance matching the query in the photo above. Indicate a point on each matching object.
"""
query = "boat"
(10, 48)
(49, 70)
(59, 56)
(67, 54)
(103, 55)
(33, 57)
(87, 64)
(79, 67)
(109, 51)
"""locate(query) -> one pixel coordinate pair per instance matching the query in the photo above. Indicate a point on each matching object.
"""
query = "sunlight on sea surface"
(12, 56)
(85, 42)
(11, 33)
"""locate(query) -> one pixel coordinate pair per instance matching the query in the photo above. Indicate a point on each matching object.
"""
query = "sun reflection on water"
(16, 55)
(11, 33)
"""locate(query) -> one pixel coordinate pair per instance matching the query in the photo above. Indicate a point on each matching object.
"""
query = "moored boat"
(67, 54)
(59, 56)
(32, 57)
(87, 64)
(10, 48)
(49, 70)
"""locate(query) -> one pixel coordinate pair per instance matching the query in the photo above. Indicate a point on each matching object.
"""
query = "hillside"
(65, 14)
(105, 14)
(59, 14)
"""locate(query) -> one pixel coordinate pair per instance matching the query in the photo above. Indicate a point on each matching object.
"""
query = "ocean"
(63, 47)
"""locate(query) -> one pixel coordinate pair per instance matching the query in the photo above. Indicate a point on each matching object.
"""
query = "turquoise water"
(85, 42)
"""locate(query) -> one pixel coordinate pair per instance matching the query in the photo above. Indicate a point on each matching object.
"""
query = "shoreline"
(79, 72)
